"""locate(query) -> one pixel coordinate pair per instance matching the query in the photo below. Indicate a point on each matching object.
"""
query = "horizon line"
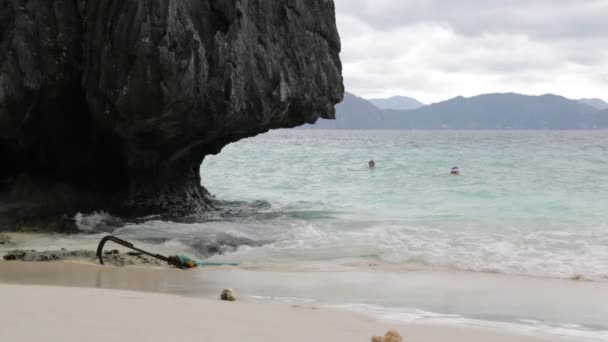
(471, 96)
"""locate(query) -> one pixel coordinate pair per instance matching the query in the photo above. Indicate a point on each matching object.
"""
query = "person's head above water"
(455, 171)
(371, 164)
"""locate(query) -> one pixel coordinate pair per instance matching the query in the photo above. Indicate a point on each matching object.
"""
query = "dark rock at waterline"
(113, 104)
(113, 257)
(32, 255)
(222, 243)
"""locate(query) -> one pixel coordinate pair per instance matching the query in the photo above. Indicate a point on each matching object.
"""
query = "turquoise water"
(529, 203)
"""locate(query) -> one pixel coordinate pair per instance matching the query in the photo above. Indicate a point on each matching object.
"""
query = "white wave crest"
(94, 222)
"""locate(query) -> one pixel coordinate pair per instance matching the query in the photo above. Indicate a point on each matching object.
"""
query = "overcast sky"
(437, 49)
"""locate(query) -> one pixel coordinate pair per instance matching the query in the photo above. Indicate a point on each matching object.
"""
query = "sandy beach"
(73, 314)
(71, 302)
(428, 171)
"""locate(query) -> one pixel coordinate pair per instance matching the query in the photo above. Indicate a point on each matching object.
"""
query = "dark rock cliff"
(113, 104)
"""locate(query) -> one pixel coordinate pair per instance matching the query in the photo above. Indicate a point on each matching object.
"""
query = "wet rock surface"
(113, 104)
(113, 257)
(228, 295)
(222, 243)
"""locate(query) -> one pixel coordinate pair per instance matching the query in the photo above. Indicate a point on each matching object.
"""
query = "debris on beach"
(577, 277)
(116, 258)
(228, 295)
(391, 336)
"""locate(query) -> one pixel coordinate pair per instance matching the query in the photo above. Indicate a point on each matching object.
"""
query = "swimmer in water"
(455, 171)
(372, 164)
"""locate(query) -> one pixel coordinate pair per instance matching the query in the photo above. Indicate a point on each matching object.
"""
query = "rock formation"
(113, 257)
(113, 104)
(228, 295)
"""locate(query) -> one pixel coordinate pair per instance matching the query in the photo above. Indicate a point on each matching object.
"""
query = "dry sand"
(49, 313)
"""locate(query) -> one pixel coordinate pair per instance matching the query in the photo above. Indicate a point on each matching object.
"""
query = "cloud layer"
(437, 49)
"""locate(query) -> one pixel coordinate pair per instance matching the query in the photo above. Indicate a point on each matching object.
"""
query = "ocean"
(529, 205)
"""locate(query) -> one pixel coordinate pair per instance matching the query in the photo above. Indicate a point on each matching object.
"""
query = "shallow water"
(526, 203)
(531, 203)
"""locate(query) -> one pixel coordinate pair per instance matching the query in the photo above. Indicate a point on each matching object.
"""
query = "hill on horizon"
(497, 111)
(488, 111)
(597, 103)
(397, 102)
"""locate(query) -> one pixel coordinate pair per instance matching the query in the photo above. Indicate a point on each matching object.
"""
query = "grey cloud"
(603, 78)
(439, 48)
(537, 18)
(415, 84)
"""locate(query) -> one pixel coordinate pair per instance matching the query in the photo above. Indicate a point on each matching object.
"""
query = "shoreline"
(80, 249)
(272, 288)
(101, 314)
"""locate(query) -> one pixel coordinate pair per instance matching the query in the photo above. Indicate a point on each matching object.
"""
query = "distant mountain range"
(397, 102)
(489, 111)
(597, 103)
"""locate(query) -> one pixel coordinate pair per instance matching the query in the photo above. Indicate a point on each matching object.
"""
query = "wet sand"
(68, 302)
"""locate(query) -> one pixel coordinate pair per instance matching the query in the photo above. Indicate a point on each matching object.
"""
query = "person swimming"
(372, 164)
(455, 171)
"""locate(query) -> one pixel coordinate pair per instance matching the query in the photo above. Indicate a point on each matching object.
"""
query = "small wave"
(198, 239)
(258, 232)
(284, 300)
(522, 326)
(96, 222)
(576, 255)
(260, 210)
